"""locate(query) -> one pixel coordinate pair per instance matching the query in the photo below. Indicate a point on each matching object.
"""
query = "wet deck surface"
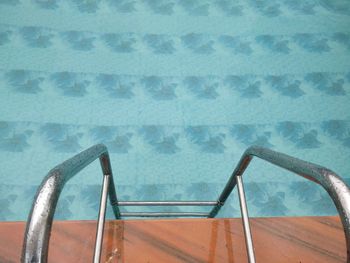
(303, 239)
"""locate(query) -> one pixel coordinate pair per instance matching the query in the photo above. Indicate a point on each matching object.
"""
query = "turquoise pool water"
(177, 90)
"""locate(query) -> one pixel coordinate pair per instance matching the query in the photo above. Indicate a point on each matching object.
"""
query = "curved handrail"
(38, 229)
(37, 235)
(329, 180)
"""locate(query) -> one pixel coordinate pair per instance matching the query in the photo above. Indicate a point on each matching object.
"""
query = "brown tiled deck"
(306, 239)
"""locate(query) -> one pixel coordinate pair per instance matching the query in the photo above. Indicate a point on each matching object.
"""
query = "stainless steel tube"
(245, 220)
(38, 229)
(329, 180)
(165, 203)
(162, 214)
(37, 235)
(101, 219)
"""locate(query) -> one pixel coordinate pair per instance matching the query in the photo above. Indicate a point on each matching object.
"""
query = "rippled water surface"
(177, 90)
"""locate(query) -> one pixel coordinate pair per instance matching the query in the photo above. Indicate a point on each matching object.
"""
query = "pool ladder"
(38, 229)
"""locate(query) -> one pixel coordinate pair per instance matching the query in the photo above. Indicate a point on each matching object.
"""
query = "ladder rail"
(329, 180)
(38, 228)
(166, 203)
(164, 214)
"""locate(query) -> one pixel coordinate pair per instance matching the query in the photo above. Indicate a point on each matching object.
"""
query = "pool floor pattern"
(177, 90)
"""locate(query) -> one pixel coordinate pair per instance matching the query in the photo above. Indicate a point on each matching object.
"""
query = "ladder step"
(165, 203)
(163, 214)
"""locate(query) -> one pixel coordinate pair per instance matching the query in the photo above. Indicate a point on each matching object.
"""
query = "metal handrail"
(166, 203)
(38, 229)
(329, 180)
(37, 235)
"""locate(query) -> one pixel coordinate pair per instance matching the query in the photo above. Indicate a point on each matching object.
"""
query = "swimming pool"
(177, 90)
